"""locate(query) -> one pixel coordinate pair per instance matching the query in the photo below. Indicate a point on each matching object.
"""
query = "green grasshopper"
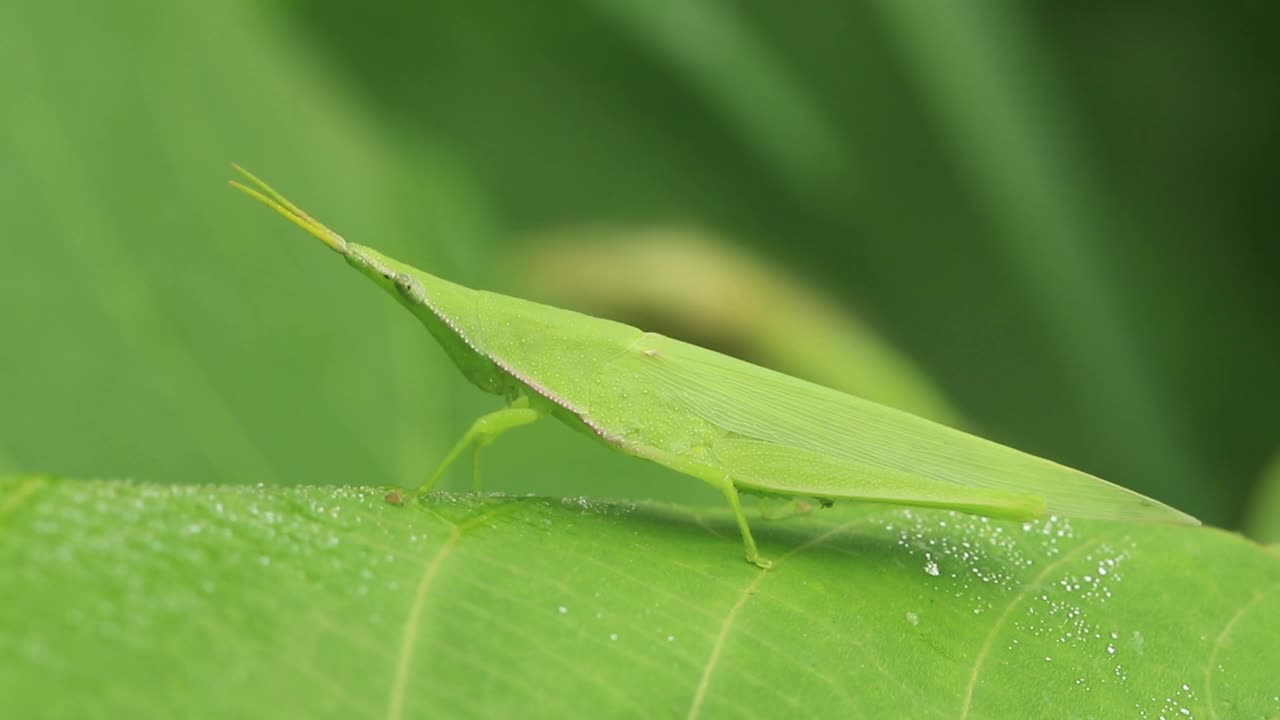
(735, 425)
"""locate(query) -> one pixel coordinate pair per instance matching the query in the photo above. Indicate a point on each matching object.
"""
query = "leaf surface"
(218, 601)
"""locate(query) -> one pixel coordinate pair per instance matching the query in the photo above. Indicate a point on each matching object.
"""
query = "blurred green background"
(1060, 211)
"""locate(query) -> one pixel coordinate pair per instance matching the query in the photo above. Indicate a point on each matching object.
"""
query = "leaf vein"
(409, 637)
(26, 488)
(700, 695)
(1217, 645)
(1008, 612)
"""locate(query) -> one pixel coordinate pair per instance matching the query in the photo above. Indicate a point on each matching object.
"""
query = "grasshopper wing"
(774, 433)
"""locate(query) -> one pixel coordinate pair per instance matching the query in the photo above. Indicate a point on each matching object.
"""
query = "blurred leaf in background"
(133, 284)
(1056, 210)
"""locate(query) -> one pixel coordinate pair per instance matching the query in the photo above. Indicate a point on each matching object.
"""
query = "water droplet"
(613, 636)
(913, 618)
(563, 610)
(931, 568)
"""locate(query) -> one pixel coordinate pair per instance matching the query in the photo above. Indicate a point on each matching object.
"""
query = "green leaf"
(135, 600)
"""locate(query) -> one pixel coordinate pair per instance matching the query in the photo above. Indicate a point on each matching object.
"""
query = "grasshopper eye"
(408, 287)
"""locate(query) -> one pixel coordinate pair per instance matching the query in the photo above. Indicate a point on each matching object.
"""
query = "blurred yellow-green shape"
(697, 286)
(1263, 521)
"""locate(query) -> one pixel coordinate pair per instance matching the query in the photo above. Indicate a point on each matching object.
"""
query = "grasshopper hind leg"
(719, 480)
(749, 543)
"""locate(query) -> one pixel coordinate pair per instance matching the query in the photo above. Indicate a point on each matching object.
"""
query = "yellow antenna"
(267, 195)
